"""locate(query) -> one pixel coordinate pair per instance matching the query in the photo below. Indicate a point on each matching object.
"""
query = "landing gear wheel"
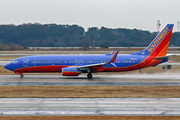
(89, 75)
(21, 76)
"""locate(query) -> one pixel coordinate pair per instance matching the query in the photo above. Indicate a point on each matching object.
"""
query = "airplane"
(74, 65)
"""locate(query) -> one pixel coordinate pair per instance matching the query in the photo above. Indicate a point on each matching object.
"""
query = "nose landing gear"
(19, 73)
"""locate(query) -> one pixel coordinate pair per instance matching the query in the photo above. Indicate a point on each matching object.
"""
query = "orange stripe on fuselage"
(157, 61)
(160, 50)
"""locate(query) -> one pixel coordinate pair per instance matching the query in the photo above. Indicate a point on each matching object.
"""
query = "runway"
(164, 79)
(90, 106)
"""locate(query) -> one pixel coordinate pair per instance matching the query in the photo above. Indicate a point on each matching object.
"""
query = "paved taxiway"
(89, 106)
(164, 79)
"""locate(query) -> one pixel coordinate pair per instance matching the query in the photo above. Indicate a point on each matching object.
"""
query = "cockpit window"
(14, 61)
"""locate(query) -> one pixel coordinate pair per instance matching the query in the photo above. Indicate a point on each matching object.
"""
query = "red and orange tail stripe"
(160, 50)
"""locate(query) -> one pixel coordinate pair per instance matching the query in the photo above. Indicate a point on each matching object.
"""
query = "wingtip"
(117, 52)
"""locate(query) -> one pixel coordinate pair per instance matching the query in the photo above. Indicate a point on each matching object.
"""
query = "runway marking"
(90, 106)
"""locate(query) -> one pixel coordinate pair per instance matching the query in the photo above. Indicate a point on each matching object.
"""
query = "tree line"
(53, 35)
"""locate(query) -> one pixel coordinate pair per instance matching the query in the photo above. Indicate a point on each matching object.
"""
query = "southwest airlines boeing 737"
(74, 65)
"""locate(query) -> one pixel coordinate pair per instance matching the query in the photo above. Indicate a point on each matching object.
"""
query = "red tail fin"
(159, 45)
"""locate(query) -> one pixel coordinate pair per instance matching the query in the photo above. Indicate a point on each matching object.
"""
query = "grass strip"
(89, 91)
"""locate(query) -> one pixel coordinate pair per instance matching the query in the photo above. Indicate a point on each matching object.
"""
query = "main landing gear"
(89, 75)
(21, 76)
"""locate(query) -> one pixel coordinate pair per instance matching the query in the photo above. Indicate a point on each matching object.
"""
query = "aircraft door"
(25, 62)
(76, 62)
(80, 62)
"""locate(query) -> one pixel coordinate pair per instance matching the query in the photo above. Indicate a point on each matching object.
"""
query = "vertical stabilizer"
(159, 45)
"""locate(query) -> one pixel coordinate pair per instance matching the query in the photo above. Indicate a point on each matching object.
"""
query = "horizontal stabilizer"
(163, 57)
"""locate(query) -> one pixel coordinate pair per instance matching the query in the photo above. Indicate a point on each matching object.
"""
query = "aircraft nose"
(7, 66)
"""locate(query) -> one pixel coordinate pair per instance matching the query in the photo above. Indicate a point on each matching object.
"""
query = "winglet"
(114, 57)
(163, 57)
(113, 52)
(101, 64)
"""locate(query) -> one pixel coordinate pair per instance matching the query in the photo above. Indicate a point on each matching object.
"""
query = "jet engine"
(70, 71)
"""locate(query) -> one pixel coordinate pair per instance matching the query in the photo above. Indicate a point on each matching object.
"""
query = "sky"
(130, 14)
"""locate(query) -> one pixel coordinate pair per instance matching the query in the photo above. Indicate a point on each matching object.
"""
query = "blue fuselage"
(56, 63)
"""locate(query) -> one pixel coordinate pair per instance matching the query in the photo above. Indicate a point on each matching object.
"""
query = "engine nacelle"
(70, 71)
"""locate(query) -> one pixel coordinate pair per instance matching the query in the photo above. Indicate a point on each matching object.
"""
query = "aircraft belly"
(118, 69)
(41, 69)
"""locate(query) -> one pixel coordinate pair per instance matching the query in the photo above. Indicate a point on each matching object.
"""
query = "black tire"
(89, 75)
(21, 76)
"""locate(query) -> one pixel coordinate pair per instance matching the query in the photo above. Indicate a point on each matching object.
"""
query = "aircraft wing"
(101, 64)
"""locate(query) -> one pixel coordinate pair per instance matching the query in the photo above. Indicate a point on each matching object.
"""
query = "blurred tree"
(37, 35)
